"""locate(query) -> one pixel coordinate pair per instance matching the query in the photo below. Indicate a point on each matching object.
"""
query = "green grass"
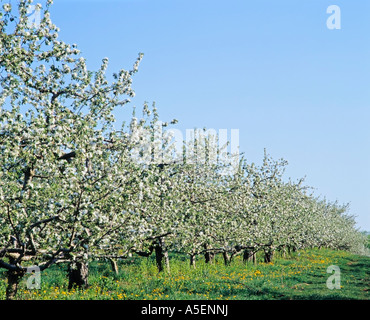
(301, 276)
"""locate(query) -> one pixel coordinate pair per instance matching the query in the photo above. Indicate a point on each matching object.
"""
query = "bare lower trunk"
(209, 256)
(14, 278)
(114, 265)
(283, 251)
(161, 256)
(78, 273)
(166, 260)
(192, 261)
(291, 250)
(249, 256)
(227, 258)
(269, 254)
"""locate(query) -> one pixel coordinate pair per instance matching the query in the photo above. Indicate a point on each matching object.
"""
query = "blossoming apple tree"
(64, 169)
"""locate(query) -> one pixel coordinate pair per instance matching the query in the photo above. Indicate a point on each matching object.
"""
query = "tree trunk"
(249, 256)
(269, 254)
(166, 260)
(114, 266)
(283, 251)
(254, 257)
(161, 256)
(209, 256)
(227, 258)
(192, 261)
(78, 274)
(291, 250)
(14, 278)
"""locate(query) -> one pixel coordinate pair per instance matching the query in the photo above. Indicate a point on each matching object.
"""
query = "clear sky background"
(271, 69)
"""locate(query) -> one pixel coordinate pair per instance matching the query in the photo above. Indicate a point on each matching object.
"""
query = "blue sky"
(271, 69)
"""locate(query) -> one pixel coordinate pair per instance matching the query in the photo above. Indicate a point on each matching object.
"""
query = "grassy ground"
(301, 276)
